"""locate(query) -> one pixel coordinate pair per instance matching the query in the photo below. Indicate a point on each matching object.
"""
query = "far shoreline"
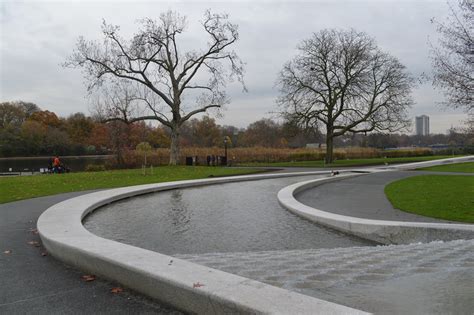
(62, 156)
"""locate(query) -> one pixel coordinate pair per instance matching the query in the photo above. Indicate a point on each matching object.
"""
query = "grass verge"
(353, 162)
(448, 197)
(467, 167)
(25, 187)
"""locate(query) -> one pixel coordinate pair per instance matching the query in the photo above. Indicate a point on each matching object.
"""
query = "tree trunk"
(329, 147)
(118, 140)
(174, 150)
(119, 157)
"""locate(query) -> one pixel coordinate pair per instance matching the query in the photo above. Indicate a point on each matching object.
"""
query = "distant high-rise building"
(422, 125)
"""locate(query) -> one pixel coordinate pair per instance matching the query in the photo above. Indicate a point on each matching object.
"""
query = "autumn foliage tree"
(46, 118)
(170, 85)
(13, 114)
(202, 132)
(79, 127)
(263, 133)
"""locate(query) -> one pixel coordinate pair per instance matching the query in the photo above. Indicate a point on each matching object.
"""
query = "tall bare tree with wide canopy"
(170, 85)
(340, 79)
(453, 57)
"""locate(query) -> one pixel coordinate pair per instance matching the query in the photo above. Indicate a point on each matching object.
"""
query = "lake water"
(75, 163)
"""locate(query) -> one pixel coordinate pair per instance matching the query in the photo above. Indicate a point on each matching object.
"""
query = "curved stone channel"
(388, 278)
(433, 278)
(232, 217)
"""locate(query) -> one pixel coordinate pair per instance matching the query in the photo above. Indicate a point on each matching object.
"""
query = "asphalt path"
(32, 282)
(364, 197)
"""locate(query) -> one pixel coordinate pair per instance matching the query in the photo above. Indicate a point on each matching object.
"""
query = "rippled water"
(242, 217)
(434, 278)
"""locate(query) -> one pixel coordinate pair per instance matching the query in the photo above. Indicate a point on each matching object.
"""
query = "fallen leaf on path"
(116, 290)
(7, 252)
(197, 285)
(88, 278)
(34, 243)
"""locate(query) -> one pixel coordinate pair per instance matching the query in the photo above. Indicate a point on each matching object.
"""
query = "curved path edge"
(182, 284)
(382, 231)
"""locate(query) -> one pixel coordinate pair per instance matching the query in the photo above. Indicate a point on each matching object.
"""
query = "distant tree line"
(27, 130)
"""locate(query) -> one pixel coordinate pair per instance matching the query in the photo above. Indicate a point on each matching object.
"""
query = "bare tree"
(172, 85)
(453, 57)
(117, 100)
(117, 104)
(342, 80)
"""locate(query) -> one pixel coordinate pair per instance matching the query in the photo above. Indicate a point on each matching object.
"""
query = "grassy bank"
(24, 187)
(351, 162)
(448, 197)
(467, 167)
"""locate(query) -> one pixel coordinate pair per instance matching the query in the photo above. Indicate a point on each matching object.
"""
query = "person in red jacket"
(56, 165)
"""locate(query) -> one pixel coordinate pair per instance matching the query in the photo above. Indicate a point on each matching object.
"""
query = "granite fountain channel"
(428, 278)
(180, 283)
(240, 228)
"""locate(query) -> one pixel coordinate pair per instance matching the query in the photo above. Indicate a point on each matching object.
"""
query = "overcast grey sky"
(37, 36)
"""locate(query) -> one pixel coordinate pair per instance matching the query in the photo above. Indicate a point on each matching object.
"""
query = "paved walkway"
(36, 284)
(363, 197)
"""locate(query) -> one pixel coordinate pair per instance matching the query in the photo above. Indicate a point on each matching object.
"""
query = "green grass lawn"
(354, 162)
(24, 187)
(449, 197)
(467, 167)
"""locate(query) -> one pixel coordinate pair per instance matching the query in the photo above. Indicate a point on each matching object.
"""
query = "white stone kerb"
(382, 231)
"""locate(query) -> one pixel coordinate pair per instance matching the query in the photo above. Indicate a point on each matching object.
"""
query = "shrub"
(408, 152)
(95, 168)
(155, 157)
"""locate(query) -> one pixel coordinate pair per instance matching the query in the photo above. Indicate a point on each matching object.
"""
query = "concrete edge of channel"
(381, 231)
(184, 285)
